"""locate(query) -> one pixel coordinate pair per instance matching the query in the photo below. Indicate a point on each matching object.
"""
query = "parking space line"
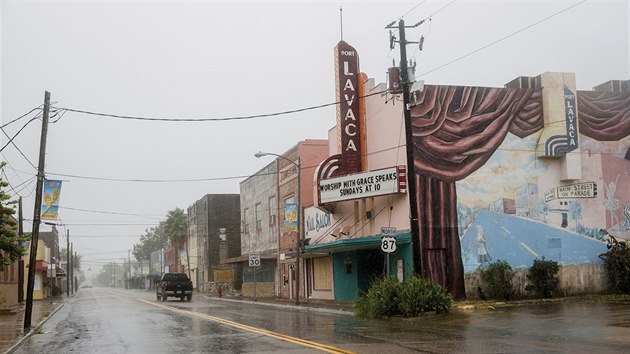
(284, 337)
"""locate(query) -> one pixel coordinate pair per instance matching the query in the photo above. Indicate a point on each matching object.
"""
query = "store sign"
(288, 173)
(572, 191)
(363, 185)
(348, 118)
(550, 195)
(318, 222)
(579, 190)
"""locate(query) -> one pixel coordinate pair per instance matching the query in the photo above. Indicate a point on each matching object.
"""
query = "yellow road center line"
(529, 249)
(295, 340)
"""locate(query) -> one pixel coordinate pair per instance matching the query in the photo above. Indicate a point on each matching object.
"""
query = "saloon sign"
(318, 222)
(363, 185)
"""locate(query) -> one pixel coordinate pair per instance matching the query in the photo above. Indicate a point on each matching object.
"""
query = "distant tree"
(154, 239)
(10, 242)
(176, 228)
(575, 211)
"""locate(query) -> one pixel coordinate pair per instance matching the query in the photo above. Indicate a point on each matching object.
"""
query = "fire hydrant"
(219, 291)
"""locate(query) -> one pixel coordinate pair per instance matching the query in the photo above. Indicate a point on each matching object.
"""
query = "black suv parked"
(174, 285)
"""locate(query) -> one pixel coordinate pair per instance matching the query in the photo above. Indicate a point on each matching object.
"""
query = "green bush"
(497, 280)
(388, 297)
(617, 265)
(380, 300)
(543, 278)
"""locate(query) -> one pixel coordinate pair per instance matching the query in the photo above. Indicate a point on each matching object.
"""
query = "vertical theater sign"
(348, 110)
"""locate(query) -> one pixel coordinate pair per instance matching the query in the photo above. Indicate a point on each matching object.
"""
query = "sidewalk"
(305, 304)
(11, 325)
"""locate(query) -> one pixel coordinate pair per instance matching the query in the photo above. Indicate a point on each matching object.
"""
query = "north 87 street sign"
(388, 244)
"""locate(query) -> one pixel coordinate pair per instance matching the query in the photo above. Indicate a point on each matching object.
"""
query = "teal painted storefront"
(357, 261)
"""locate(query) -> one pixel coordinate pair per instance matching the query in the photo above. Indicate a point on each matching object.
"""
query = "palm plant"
(176, 228)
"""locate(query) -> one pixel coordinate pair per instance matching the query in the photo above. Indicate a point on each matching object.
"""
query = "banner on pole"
(50, 205)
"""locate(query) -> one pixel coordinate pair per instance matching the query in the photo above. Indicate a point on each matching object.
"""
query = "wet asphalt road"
(119, 321)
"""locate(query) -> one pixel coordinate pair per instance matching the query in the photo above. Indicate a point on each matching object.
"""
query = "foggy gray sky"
(207, 59)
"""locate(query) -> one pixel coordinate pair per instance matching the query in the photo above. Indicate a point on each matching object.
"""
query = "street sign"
(388, 244)
(388, 231)
(254, 259)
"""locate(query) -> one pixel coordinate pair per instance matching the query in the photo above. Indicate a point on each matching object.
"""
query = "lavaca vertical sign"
(570, 113)
(348, 119)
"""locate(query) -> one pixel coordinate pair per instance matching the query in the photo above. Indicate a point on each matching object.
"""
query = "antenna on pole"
(341, 20)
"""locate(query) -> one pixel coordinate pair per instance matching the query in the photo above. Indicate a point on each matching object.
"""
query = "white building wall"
(385, 147)
(259, 188)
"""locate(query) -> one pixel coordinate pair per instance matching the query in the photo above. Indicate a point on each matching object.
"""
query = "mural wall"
(517, 208)
(500, 179)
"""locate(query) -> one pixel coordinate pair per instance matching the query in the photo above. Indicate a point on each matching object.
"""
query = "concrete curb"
(305, 308)
(20, 340)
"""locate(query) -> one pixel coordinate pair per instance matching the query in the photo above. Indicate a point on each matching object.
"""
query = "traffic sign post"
(254, 261)
(388, 231)
(388, 242)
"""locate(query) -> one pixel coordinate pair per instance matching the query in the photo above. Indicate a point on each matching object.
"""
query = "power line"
(147, 180)
(212, 119)
(168, 180)
(503, 38)
(16, 134)
(209, 179)
(104, 236)
(101, 224)
(440, 10)
(23, 184)
(102, 253)
(22, 116)
(111, 212)
(415, 7)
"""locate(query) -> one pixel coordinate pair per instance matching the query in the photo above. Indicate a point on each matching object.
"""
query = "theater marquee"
(363, 185)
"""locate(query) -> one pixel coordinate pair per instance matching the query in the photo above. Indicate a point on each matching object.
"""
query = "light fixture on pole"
(299, 217)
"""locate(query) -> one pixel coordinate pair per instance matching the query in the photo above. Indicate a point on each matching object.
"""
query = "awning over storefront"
(354, 244)
(41, 266)
(60, 272)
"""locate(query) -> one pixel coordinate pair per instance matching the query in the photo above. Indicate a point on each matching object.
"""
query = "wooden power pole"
(67, 262)
(36, 215)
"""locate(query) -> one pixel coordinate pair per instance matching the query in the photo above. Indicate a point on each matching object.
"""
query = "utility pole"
(36, 215)
(71, 269)
(411, 176)
(73, 282)
(67, 262)
(125, 273)
(21, 261)
(129, 268)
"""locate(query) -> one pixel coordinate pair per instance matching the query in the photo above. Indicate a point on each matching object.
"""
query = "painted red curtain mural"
(455, 131)
(604, 116)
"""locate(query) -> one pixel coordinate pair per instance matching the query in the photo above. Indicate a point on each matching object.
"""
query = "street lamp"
(299, 238)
